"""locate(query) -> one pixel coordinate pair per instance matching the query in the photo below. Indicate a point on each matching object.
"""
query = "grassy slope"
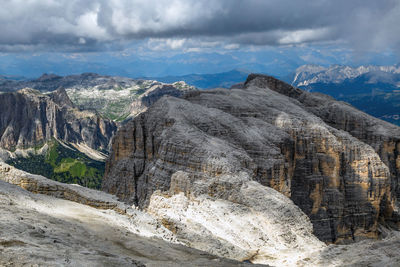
(63, 165)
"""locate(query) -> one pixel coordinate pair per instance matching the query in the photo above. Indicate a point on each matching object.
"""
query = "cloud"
(81, 25)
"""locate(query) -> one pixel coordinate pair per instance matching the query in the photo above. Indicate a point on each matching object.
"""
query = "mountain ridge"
(208, 81)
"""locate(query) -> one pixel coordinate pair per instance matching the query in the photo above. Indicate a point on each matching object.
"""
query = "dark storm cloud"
(91, 25)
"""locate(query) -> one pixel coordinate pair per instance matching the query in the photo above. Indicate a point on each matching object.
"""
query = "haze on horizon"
(161, 37)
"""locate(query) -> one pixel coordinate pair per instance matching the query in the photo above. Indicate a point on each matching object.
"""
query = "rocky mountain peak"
(265, 81)
(61, 97)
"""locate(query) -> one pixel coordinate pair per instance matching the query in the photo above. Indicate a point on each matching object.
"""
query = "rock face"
(29, 118)
(339, 165)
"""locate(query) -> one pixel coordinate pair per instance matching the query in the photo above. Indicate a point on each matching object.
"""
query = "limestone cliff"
(339, 165)
(29, 118)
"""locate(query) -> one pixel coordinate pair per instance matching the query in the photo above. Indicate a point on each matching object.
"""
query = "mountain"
(257, 174)
(338, 164)
(30, 118)
(62, 129)
(46, 134)
(373, 89)
(208, 81)
(110, 96)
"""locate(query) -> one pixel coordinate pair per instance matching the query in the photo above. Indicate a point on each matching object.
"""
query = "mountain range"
(61, 127)
(208, 81)
(262, 172)
(108, 95)
(373, 89)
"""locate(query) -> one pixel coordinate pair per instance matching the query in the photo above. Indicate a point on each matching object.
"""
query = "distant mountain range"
(372, 89)
(111, 96)
(61, 126)
(208, 81)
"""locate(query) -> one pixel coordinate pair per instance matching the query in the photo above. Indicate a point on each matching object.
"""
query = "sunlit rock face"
(339, 165)
(233, 217)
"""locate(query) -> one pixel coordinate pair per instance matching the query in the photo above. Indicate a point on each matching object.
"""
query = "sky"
(175, 37)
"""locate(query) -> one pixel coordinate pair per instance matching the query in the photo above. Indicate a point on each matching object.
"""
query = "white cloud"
(301, 36)
(232, 46)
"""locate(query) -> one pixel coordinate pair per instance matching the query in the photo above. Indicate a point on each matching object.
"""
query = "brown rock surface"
(339, 165)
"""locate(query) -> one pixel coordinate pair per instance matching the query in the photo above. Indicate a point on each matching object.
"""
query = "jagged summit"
(265, 81)
(61, 97)
(313, 74)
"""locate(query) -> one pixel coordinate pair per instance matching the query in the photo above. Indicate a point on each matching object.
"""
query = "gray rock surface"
(48, 230)
(339, 165)
(233, 217)
(249, 222)
(29, 118)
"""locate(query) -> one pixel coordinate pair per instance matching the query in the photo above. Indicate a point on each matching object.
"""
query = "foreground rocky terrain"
(42, 230)
(68, 225)
(339, 165)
